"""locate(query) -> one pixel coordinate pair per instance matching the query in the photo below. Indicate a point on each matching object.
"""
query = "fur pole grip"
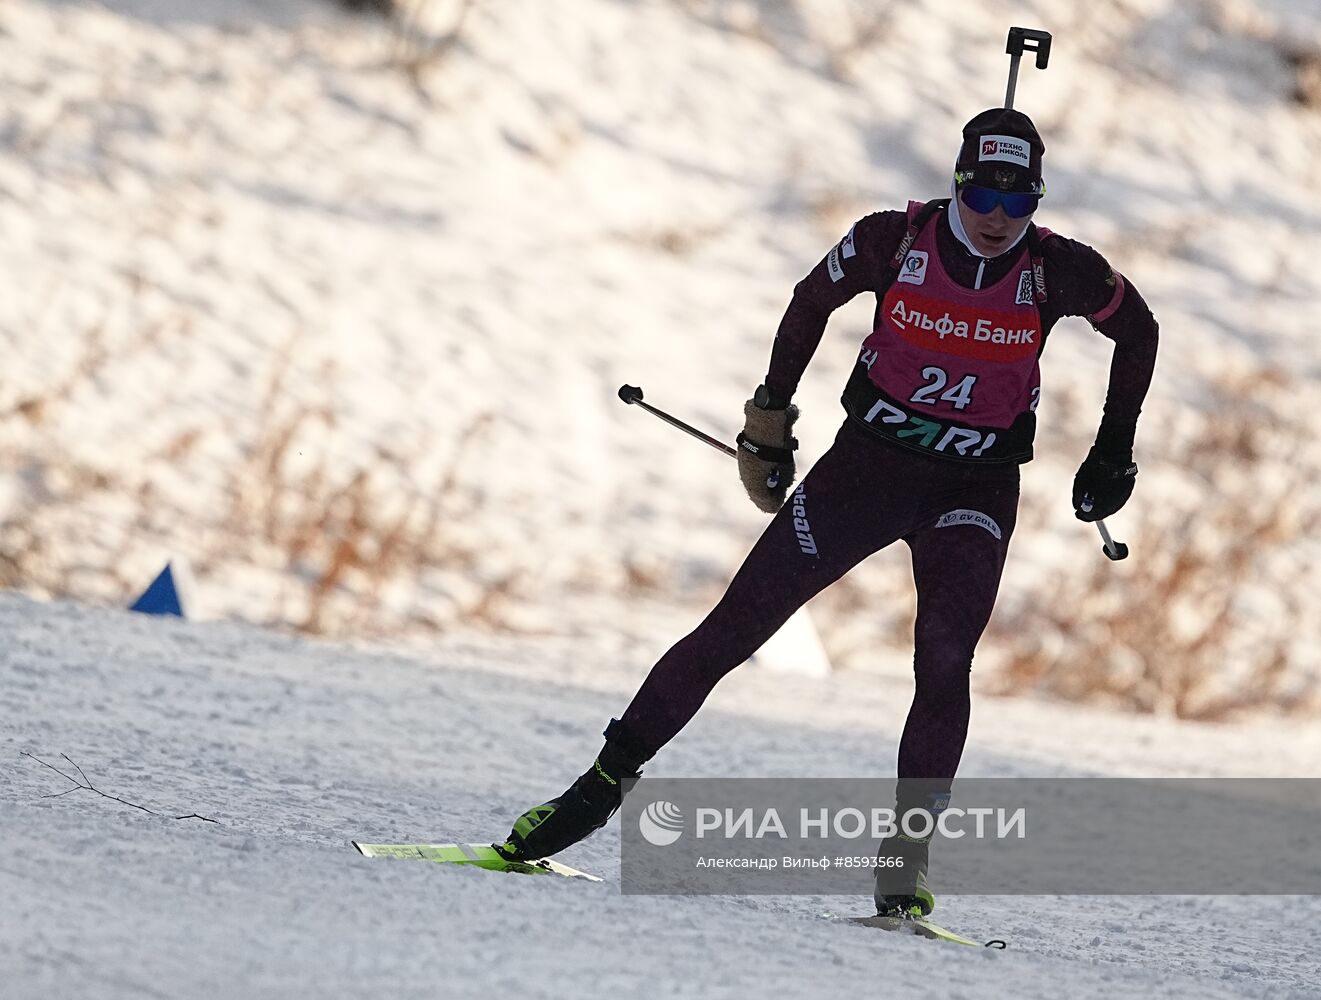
(766, 454)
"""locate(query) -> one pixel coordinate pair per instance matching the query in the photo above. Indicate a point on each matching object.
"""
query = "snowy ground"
(296, 748)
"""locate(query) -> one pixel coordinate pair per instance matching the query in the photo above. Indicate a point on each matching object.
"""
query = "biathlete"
(941, 413)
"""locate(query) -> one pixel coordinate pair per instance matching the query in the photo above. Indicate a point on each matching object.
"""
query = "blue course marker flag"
(161, 598)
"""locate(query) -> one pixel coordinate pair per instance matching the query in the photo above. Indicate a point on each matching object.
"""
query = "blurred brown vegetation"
(344, 536)
(1203, 622)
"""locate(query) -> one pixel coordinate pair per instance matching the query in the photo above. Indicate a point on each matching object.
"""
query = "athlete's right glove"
(766, 450)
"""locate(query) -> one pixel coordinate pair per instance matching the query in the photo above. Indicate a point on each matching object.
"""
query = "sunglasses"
(982, 200)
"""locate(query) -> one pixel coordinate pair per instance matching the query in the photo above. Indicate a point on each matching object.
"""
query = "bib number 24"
(960, 394)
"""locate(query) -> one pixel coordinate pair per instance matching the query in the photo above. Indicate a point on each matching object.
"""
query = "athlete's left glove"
(766, 449)
(1103, 484)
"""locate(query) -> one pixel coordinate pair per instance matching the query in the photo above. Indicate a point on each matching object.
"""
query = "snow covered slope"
(294, 748)
(350, 341)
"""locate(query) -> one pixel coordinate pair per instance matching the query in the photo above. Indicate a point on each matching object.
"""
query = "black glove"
(766, 451)
(1103, 484)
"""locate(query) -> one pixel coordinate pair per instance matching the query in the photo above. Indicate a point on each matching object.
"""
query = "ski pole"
(1019, 40)
(1035, 40)
(631, 394)
(1113, 550)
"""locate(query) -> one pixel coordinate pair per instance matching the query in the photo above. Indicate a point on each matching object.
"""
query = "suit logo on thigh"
(976, 517)
(804, 530)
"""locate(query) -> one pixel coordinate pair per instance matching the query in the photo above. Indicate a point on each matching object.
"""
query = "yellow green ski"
(476, 855)
(912, 923)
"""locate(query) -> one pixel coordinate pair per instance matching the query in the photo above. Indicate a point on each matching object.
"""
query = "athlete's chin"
(990, 245)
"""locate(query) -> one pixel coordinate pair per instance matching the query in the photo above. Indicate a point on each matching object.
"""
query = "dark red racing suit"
(942, 410)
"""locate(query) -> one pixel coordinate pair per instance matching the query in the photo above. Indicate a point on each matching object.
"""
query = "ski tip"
(479, 855)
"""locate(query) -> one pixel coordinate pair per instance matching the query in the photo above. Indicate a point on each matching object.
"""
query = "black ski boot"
(901, 878)
(584, 807)
(902, 861)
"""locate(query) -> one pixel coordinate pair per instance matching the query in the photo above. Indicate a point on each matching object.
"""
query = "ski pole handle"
(1019, 39)
(632, 395)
